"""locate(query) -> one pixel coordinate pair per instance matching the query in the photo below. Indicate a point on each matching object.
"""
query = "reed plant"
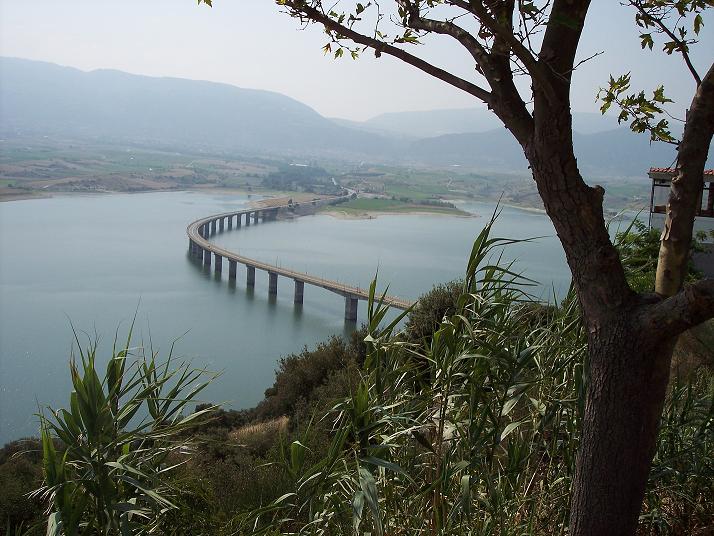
(108, 457)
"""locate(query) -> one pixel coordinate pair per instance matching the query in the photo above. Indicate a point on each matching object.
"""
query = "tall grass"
(475, 430)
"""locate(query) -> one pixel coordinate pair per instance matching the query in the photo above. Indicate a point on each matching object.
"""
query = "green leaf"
(387, 465)
(54, 524)
(646, 40)
(508, 430)
(369, 489)
(357, 507)
(465, 494)
(698, 23)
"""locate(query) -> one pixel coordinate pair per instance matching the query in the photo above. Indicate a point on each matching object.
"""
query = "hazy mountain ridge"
(49, 99)
(433, 123)
(602, 154)
(45, 99)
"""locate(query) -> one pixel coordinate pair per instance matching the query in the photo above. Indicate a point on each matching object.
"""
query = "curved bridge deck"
(200, 247)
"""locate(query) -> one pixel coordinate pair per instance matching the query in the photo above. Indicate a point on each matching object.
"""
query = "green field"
(365, 205)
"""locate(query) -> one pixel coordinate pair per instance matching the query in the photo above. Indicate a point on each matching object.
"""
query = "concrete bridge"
(201, 248)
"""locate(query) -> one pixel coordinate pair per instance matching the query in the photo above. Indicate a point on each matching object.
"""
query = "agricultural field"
(422, 185)
(37, 168)
(34, 167)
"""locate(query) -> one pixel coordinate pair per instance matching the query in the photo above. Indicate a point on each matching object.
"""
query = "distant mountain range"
(610, 153)
(45, 99)
(432, 123)
(48, 99)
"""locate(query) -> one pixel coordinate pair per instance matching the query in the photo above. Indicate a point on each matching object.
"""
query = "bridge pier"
(232, 265)
(239, 217)
(299, 291)
(221, 224)
(195, 250)
(351, 308)
(219, 263)
(247, 219)
(206, 257)
(213, 227)
(272, 283)
(230, 222)
(250, 276)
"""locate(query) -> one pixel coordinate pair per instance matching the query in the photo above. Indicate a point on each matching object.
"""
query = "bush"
(426, 317)
(639, 251)
(20, 474)
(299, 375)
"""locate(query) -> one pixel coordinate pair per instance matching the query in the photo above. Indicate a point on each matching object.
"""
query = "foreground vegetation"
(466, 421)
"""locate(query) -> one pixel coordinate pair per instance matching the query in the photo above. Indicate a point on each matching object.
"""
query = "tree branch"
(506, 102)
(506, 36)
(469, 42)
(691, 306)
(681, 45)
(382, 47)
(562, 35)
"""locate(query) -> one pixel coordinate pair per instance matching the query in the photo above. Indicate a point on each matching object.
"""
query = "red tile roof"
(672, 170)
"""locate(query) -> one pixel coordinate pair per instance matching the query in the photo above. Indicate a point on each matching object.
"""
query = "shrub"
(299, 375)
(431, 309)
(20, 474)
(639, 249)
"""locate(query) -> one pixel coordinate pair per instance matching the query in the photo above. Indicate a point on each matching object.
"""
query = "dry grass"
(694, 351)
(297, 197)
(259, 436)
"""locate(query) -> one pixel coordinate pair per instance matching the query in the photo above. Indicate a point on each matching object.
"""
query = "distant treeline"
(426, 202)
(300, 178)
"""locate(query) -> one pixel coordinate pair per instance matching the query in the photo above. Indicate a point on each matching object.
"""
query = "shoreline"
(38, 194)
(271, 194)
(374, 214)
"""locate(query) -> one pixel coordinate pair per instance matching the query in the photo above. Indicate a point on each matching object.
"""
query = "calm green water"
(92, 259)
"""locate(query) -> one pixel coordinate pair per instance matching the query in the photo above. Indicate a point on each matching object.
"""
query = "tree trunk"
(627, 373)
(626, 389)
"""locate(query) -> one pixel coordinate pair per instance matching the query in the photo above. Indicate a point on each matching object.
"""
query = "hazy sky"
(248, 43)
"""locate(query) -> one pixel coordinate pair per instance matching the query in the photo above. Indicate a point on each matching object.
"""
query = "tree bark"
(686, 190)
(628, 377)
(628, 368)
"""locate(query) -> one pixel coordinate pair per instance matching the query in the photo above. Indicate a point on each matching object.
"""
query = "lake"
(92, 260)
